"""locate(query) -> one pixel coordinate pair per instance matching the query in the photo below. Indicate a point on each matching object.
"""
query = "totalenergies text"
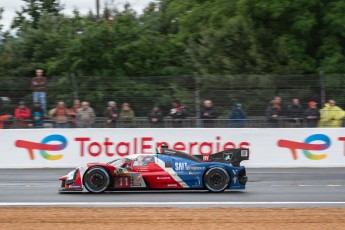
(146, 145)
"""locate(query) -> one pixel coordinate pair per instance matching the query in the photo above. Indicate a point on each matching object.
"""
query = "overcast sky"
(10, 6)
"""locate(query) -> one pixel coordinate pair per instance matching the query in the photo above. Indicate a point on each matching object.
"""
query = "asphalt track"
(288, 187)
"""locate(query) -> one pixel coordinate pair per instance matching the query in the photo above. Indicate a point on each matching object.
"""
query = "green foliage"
(31, 12)
(240, 50)
(1, 11)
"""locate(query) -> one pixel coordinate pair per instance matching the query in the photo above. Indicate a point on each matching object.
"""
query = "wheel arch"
(111, 181)
(216, 166)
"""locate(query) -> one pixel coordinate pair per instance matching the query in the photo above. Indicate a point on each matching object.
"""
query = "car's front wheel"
(216, 179)
(96, 180)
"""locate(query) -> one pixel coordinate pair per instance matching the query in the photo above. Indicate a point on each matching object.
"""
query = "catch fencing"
(254, 92)
(143, 122)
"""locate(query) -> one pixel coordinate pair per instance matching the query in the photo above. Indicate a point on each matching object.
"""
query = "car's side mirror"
(128, 167)
(168, 164)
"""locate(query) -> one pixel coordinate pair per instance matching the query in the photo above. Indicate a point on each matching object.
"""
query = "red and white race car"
(167, 169)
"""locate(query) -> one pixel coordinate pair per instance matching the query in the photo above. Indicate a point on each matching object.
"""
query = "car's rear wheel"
(216, 179)
(96, 180)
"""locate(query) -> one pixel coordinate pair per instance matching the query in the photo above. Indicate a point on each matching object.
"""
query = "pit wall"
(68, 148)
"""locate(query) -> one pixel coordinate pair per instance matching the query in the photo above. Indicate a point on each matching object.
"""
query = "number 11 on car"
(122, 182)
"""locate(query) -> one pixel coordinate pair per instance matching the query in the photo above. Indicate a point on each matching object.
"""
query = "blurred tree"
(32, 11)
(240, 50)
(1, 12)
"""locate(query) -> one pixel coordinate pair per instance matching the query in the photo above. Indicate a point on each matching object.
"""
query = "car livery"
(166, 169)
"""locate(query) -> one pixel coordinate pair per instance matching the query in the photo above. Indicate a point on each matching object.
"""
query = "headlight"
(70, 175)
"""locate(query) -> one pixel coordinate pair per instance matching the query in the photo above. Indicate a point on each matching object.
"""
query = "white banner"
(57, 148)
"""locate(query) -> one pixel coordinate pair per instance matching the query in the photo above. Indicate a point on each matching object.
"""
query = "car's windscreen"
(119, 162)
(111, 162)
(143, 160)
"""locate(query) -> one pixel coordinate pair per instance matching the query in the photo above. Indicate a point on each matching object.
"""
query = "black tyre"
(216, 179)
(96, 180)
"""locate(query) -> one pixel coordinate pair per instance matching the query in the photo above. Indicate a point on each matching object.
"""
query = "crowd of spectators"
(329, 116)
(35, 117)
(82, 115)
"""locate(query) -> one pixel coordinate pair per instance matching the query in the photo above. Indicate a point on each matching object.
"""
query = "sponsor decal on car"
(167, 151)
(136, 184)
(180, 166)
(75, 186)
(193, 173)
(227, 156)
(244, 153)
(172, 185)
(163, 177)
(206, 158)
(196, 168)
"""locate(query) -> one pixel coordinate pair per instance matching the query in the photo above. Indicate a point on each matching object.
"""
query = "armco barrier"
(60, 148)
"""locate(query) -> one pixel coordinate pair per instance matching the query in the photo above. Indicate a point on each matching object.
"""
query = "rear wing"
(233, 156)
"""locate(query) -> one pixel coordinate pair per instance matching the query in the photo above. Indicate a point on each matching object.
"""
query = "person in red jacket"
(22, 115)
(73, 112)
(6, 112)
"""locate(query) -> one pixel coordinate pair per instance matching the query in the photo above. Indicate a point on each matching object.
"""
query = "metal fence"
(142, 122)
(254, 92)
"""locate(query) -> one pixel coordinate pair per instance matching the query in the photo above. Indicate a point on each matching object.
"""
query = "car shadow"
(161, 192)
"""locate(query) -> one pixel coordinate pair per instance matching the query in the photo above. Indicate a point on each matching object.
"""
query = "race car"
(165, 169)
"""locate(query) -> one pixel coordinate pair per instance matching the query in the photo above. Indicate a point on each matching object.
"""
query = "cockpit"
(143, 160)
(138, 160)
(120, 162)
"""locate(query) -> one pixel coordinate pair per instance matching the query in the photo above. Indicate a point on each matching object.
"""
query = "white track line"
(119, 204)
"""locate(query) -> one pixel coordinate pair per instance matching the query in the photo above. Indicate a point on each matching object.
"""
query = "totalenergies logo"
(307, 145)
(44, 146)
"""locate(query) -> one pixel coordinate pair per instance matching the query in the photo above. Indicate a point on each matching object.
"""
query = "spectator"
(237, 116)
(6, 112)
(37, 115)
(331, 115)
(273, 114)
(156, 117)
(312, 115)
(85, 116)
(112, 114)
(208, 114)
(324, 116)
(22, 115)
(60, 115)
(39, 86)
(295, 113)
(73, 112)
(278, 101)
(177, 113)
(127, 116)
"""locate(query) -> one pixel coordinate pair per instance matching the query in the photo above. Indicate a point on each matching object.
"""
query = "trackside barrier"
(269, 147)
